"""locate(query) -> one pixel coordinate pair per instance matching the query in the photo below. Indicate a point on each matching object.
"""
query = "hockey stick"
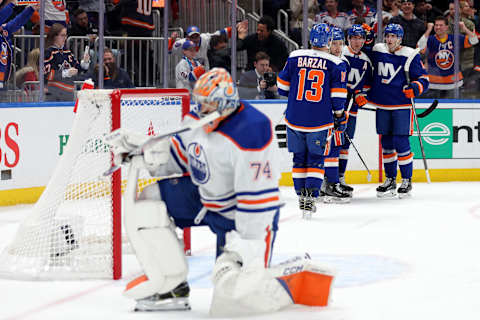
(369, 175)
(194, 125)
(407, 68)
(425, 113)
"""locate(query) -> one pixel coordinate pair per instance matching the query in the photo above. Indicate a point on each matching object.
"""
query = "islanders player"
(315, 83)
(359, 79)
(229, 181)
(391, 94)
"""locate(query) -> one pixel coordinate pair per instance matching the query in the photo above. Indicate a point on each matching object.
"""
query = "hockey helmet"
(320, 35)
(215, 90)
(394, 28)
(357, 30)
(337, 34)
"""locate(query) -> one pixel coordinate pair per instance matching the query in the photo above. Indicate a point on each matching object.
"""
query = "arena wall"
(33, 137)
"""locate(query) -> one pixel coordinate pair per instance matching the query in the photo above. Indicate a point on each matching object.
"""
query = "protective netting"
(68, 234)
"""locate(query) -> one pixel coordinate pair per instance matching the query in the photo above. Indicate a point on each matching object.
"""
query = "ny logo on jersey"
(354, 77)
(387, 70)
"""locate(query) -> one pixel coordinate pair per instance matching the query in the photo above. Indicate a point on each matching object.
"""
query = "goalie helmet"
(215, 90)
(320, 35)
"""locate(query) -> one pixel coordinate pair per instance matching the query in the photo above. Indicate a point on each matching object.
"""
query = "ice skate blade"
(307, 215)
(329, 199)
(387, 195)
(404, 195)
(176, 304)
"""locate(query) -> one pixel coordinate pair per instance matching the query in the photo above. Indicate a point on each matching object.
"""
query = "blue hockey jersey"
(389, 77)
(315, 84)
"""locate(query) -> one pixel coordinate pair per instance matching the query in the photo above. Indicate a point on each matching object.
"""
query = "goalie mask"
(215, 90)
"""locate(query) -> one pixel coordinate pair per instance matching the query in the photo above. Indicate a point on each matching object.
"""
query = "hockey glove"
(360, 98)
(198, 71)
(340, 123)
(412, 90)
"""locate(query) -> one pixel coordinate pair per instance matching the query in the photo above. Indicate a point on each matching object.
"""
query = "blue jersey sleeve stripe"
(177, 161)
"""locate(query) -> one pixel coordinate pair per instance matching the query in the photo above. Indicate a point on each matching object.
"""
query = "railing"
(282, 13)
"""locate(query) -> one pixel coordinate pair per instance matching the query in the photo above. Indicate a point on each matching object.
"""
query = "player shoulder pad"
(405, 51)
(315, 54)
(380, 47)
(248, 128)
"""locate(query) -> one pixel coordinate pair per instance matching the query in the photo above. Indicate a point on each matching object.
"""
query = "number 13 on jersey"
(314, 93)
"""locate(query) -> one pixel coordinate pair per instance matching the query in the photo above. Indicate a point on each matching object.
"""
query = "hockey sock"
(389, 156)
(299, 172)
(405, 156)
(342, 161)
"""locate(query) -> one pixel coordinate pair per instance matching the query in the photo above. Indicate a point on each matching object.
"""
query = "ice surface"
(414, 258)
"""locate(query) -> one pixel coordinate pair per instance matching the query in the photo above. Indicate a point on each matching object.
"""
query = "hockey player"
(359, 79)
(332, 190)
(189, 69)
(230, 183)
(392, 95)
(315, 83)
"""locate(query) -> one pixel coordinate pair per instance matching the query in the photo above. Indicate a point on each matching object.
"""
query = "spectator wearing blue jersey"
(6, 32)
(315, 83)
(392, 93)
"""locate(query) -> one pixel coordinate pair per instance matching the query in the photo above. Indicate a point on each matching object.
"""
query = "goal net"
(74, 230)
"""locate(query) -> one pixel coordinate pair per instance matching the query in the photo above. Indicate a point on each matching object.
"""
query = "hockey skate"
(335, 194)
(405, 188)
(388, 189)
(177, 299)
(307, 203)
(345, 187)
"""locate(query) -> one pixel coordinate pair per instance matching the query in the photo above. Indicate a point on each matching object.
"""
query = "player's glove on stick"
(360, 98)
(340, 123)
(413, 90)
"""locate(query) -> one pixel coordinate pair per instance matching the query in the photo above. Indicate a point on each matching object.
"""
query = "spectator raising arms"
(61, 66)
(6, 32)
(413, 27)
(264, 40)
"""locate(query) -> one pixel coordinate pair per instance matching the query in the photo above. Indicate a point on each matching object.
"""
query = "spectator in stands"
(389, 10)
(467, 54)
(81, 25)
(189, 69)
(61, 66)
(332, 16)
(264, 40)
(29, 72)
(296, 22)
(426, 12)
(219, 55)
(361, 10)
(136, 17)
(440, 54)
(92, 8)
(259, 83)
(114, 76)
(413, 27)
(271, 7)
(202, 40)
(6, 32)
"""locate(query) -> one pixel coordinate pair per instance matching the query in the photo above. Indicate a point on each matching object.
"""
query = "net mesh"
(68, 234)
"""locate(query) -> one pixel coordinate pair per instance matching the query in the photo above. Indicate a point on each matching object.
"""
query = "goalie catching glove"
(125, 143)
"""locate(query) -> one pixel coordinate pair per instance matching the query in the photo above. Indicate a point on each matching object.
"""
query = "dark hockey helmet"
(320, 35)
(357, 30)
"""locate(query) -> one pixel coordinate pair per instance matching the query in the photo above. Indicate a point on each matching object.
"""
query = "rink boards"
(33, 137)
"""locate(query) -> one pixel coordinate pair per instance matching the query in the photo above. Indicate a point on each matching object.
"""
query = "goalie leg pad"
(152, 235)
(306, 281)
(240, 292)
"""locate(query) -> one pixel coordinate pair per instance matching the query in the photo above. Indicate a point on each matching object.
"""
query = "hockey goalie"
(226, 159)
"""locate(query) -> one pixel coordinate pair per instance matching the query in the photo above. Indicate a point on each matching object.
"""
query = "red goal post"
(74, 230)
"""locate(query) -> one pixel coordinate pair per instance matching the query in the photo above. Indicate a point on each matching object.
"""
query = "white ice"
(414, 258)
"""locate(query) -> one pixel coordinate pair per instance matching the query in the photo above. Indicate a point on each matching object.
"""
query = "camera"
(270, 78)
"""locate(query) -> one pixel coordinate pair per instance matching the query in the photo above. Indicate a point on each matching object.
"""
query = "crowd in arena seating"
(419, 19)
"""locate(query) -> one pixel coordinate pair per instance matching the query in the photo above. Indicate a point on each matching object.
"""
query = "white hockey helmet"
(215, 90)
